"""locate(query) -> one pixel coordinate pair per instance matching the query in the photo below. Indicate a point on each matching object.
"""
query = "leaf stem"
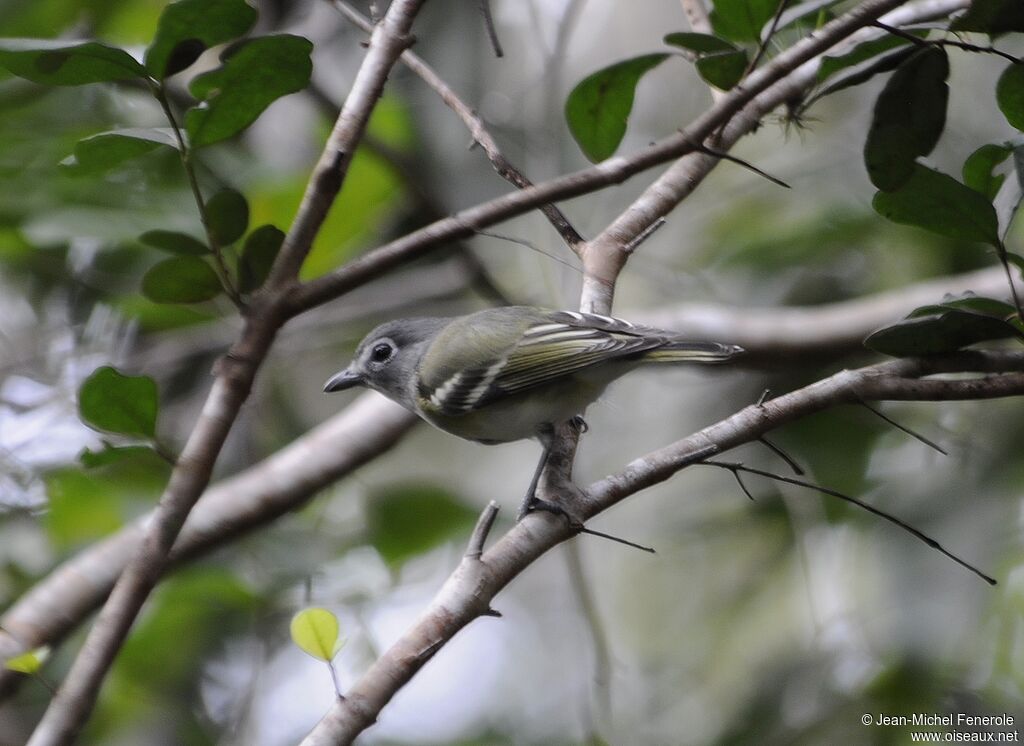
(185, 153)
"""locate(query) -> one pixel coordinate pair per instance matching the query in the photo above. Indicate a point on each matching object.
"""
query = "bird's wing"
(552, 346)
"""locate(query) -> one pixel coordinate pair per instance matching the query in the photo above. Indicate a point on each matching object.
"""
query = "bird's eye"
(382, 352)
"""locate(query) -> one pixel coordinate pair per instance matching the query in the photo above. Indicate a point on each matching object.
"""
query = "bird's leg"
(545, 436)
(531, 502)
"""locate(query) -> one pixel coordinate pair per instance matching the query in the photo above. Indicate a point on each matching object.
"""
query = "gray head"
(387, 358)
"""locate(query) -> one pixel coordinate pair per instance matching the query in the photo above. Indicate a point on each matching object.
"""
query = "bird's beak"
(346, 379)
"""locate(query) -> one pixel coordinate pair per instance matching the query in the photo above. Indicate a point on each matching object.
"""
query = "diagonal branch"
(469, 591)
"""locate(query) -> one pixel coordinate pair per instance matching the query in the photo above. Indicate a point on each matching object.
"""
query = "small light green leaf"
(174, 242)
(258, 254)
(992, 17)
(942, 329)
(228, 215)
(28, 663)
(62, 62)
(978, 167)
(406, 521)
(741, 20)
(719, 62)
(598, 107)
(187, 28)
(909, 117)
(181, 279)
(108, 149)
(1010, 94)
(116, 403)
(253, 75)
(315, 631)
(941, 204)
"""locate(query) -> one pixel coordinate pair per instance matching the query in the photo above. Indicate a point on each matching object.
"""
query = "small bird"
(509, 373)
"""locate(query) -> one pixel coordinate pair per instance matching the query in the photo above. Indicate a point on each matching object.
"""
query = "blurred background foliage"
(780, 621)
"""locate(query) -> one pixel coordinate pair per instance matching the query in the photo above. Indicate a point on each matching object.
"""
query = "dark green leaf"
(909, 117)
(978, 169)
(108, 149)
(950, 330)
(598, 107)
(700, 43)
(863, 72)
(258, 254)
(181, 279)
(941, 204)
(968, 302)
(859, 54)
(228, 215)
(61, 62)
(1010, 94)
(117, 403)
(741, 20)
(255, 74)
(719, 62)
(404, 522)
(174, 242)
(187, 28)
(992, 17)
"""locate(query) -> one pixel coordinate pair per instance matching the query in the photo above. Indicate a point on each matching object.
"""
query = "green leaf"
(944, 330)
(181, 279)
(909, 117)
(859, 54)
(969, 302)
(978, 167)
(1010, 94)
(62, 62)
(405, 521)
(174, 242)
(315, 631)
(862, 72)
(719, 62)
(598, 107)
(228, 216)
(741, 20)
(187, 28)
(258, 254)
(798, 12)
(941, 204)
(253, 75)
(111, 455)
(81, 510)
(116, 403)
(28, 663)
(991, 17)
(108, 149)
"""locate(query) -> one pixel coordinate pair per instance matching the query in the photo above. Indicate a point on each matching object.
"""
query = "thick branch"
(468, 593)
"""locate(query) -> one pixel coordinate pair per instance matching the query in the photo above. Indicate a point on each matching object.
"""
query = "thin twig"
(904, 428)
(735, 467)
(740, 162)
(492, 34)
(790, 461)
(482, 529)
(763, 46)
(646, 233)
(477, 129)
(957, 44)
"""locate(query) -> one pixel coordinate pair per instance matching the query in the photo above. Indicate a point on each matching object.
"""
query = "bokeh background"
(778, 621)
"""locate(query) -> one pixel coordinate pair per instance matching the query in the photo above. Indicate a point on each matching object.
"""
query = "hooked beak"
(346, 379)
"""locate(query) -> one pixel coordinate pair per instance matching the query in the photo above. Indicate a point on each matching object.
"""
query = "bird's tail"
(693, 352)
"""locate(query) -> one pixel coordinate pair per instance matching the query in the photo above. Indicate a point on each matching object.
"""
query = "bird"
(512, 372)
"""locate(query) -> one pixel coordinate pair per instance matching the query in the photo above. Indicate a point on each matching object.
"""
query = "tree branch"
(474, 124)
(469, 591)
(235, 372)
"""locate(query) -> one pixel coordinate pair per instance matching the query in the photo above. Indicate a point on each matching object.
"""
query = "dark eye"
(382, 352)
